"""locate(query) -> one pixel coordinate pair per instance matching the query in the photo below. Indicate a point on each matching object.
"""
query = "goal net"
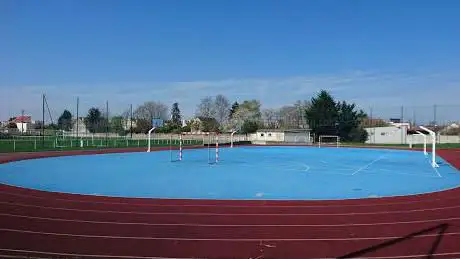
(329, 141)
(175, 147)
(60, 140)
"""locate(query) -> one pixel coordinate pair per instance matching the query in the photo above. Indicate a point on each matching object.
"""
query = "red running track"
(56, 225)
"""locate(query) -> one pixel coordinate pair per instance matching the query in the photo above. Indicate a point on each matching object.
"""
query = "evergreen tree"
(94, 121)
(235, 106)
(322, 115)
(176, 118)
(65, 121)
(325, 116)
(116, 125)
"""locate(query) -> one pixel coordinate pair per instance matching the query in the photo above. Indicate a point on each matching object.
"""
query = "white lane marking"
(73, 255)
(148, 257)
(369, 164)
(409, 174)
(231, 214)
(230, 225)
(218, 239)
(436, 170)
(243, 206)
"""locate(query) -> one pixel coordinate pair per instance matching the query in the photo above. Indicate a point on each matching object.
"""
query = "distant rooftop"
(23, 119)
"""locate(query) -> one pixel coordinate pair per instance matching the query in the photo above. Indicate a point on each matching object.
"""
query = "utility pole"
(78, 101)
(372, 128)
(22, 121)
(402, 125)
(107, 125)
(131, 121)
(43, 120)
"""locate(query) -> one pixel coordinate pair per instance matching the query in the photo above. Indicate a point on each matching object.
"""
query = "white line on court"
(413, 175)
(437, 172)
(232, 214)
(149, 257)
(234, 206)
(220, 239)
(369, 164)
(231, 225)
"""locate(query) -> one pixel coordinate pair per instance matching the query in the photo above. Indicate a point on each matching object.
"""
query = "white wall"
(448, 139)
(386, 135)
(269, 136)
(22, 127)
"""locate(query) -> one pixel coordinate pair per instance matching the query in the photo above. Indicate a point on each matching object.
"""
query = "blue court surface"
(294, 173)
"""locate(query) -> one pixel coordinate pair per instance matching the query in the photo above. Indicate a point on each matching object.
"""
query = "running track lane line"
(369, 164)
(220, 239)
(230, 214)
(257, 206)
(84, 255)
(229, 225)
(148, 257)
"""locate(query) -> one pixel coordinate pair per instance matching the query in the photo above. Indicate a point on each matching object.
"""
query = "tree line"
(322, 114)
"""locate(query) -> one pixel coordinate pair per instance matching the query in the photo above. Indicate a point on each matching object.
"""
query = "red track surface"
(56, 225)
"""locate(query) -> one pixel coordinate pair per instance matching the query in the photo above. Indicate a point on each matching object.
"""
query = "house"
(128, 122)
(4, 124)
(452, 129)
(23, 123)
(78, 125)
(294, 136)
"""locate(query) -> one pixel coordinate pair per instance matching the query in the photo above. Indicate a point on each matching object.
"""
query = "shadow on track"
(441, 228)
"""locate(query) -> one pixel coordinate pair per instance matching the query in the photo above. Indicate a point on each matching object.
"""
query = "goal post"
(424, 142)
(433, 146)
(156, 123)
(329, 140)
(213, 156)
(173, 149)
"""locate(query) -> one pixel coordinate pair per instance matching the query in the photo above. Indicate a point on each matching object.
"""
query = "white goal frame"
(433, 146)
(424, 142)
(329, 136)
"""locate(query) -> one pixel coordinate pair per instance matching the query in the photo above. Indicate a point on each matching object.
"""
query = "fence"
(98, 141)
(443, 119)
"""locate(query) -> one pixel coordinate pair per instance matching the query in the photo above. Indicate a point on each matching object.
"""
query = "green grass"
(49, 144)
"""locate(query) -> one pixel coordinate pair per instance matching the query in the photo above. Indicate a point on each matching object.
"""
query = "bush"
(358, 135)
(249, 127)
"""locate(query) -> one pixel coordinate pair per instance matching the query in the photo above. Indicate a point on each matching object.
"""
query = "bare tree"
(221, 108)
(206, 108)
(293, 116)
(271, 118)
(151, 110)
(248, 111)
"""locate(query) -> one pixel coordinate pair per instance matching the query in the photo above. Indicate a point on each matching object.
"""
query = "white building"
(387, 135)
(79, 124)
(24, 123)
(294, 136)
(128, 122)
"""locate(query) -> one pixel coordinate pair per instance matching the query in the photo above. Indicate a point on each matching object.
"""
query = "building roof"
(23, 119)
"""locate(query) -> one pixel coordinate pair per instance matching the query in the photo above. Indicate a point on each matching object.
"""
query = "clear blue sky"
(377, 53)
